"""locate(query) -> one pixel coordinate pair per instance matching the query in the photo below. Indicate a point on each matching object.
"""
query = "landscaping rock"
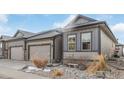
(100, 74)
(82, 67)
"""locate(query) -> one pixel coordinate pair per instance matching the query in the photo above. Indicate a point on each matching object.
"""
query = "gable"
(79, 19)
(19, 34)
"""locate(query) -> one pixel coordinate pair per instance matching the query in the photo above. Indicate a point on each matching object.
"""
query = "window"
(72, 42)
(86, 41)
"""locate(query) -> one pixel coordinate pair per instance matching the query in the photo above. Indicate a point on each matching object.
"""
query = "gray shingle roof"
(84, 24)
(24, 33)
(78, 16)
(45, 34)
(5, 37)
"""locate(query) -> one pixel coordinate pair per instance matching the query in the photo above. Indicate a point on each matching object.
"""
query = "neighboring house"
(85, 38)
(3, 51)
(46, 45)
(82, 38)
(15, 46)
(120, 49)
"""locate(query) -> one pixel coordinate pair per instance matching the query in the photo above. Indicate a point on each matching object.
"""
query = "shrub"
(97, 66)
(57, 73)
(40, 62)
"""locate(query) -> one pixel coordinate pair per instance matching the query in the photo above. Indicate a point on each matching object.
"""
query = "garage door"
(17, 53)
(41, 51)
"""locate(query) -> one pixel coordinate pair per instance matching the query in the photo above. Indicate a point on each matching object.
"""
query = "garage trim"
(13, 47)
(39, 45)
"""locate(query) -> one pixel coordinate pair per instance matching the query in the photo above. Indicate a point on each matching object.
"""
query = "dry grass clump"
(40, 62)
(57, 73)
(97, 66)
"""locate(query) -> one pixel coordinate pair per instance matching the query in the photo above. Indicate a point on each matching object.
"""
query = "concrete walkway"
(11, 70)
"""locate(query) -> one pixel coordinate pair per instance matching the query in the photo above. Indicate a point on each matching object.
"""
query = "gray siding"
(107, 45)
(65, 48)
(15, 43)
(58, 48)
(78, 41)
(78, 34)
(95, 40)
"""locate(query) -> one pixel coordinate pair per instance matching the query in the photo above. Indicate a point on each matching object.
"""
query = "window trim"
(68, 42)
(86, 50)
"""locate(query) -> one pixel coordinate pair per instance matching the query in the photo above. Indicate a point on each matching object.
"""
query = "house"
(3, 51)
(46, 45)
(15, 46)
(26, 45)
(120, 49)
(83, 38)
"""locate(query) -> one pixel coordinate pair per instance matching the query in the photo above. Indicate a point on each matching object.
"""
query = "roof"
(45, 34)
(84, 24)
(5, 37)
(119, 44)
(112, 36)
(24, 33)
(78, 16)
(93, 22)
(57, 31)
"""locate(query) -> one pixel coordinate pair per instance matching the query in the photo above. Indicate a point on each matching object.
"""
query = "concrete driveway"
(14, 64)
(10, 69)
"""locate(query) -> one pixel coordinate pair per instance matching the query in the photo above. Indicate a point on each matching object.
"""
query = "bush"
(40, 62)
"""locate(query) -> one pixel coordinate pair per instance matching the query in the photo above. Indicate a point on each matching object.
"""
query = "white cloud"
(118, 30)
(3, 18)
(118, 27)
(4, 30)
(64, 23)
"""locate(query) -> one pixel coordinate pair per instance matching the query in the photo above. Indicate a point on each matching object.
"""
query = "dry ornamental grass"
(97, 66)
(40, 62)
(57, 73)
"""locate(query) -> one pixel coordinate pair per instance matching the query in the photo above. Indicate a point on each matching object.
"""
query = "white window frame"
(83, 41)
(72, 36)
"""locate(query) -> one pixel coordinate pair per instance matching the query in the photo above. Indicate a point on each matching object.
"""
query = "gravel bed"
(75, 73)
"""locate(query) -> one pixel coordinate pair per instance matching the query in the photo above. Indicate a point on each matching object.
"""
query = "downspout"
(3, 48)
(123, 50)
(25, 50)
(62, 42)
(53, 48)
(99, 40)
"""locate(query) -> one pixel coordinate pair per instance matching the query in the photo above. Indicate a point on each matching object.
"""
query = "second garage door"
(17, 53)
(39, 51)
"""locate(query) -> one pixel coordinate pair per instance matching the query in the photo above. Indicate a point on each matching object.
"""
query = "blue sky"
(40, 22)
